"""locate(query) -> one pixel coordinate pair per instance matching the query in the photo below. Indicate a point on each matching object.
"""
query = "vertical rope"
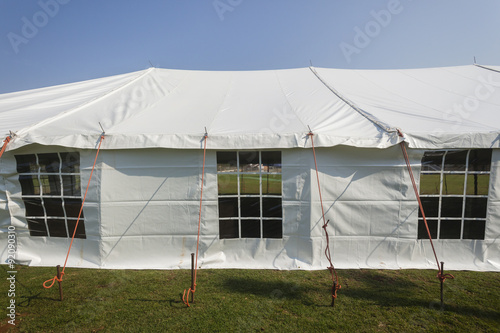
(331, 268)
(77, 221)
(185, 298)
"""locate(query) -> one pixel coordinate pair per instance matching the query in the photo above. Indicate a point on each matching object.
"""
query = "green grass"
(454, 184)
(249, 184)
(253, 301)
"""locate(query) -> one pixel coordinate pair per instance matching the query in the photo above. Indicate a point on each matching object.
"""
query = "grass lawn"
(252, 301)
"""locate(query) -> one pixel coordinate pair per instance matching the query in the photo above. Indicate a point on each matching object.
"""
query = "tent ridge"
(65, 113)
(385, 127)
(486, 67)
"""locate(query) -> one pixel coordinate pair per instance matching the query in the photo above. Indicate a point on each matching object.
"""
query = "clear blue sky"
(50, 42)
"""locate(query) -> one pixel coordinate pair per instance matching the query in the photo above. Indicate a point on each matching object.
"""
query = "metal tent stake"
(192, 277)
(334, 287)
(59, 282)
(442, 284)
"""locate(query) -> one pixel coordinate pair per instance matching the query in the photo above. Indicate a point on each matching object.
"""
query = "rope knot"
(7, 139)
(442, 277)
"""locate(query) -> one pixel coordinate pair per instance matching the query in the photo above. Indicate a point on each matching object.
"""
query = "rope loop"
(335, 289)
(54, 279)
(185, 297)
(442, 277)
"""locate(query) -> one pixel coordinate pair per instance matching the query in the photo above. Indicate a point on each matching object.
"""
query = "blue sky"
(49, 42)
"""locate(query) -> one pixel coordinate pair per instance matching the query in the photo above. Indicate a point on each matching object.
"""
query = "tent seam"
(368, 116)
(288, 101)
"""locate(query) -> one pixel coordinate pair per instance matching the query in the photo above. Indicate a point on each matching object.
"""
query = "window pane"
(249, 161)
(226, 161)
(227, 184)
(480, 160)
(228, 207)
(37, 227)
(476, 207)
(250, 184)
(250, 229)
(432, 161)
(33, 207)
(455, 160)
(450, 229)
(57, 228)
(422, 231)
(228, 229)
(53, 207)
(72, 207)
(271, 207)
(474, 229)
(451, 207)
(429, 183)
(431, 207)
(250, 207)
(271, 161)
(26, 163)
(70, 162)
(453, 184)
(49, 163)
(80, 231)
(29, 185)
(51, 185)
(271, 184)
(272, 229)
(478, 184)
(71, 186)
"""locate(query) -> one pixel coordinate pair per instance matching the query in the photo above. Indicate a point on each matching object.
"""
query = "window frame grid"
(41, 196)
(464, 195)
(261, 218)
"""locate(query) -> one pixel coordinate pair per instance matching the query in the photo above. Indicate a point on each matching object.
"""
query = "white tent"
(261, 204)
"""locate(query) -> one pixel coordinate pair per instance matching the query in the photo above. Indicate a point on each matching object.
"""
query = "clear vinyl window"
(454, 193)
(51, 191)
(250, 194)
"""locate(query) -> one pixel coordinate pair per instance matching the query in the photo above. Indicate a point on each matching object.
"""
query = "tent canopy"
(451, 107)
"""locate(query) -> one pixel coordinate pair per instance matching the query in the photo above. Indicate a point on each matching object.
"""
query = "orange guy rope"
(4, 146)
(333, 272)
(185, 296)
(78, 220)
(440, 274)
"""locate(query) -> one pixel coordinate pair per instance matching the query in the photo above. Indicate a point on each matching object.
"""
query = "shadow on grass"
(387, 290)
(271, 289)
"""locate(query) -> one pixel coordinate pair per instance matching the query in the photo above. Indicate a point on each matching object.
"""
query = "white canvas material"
(142, 206)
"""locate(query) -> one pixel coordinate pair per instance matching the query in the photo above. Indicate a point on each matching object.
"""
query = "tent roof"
(451, 107)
